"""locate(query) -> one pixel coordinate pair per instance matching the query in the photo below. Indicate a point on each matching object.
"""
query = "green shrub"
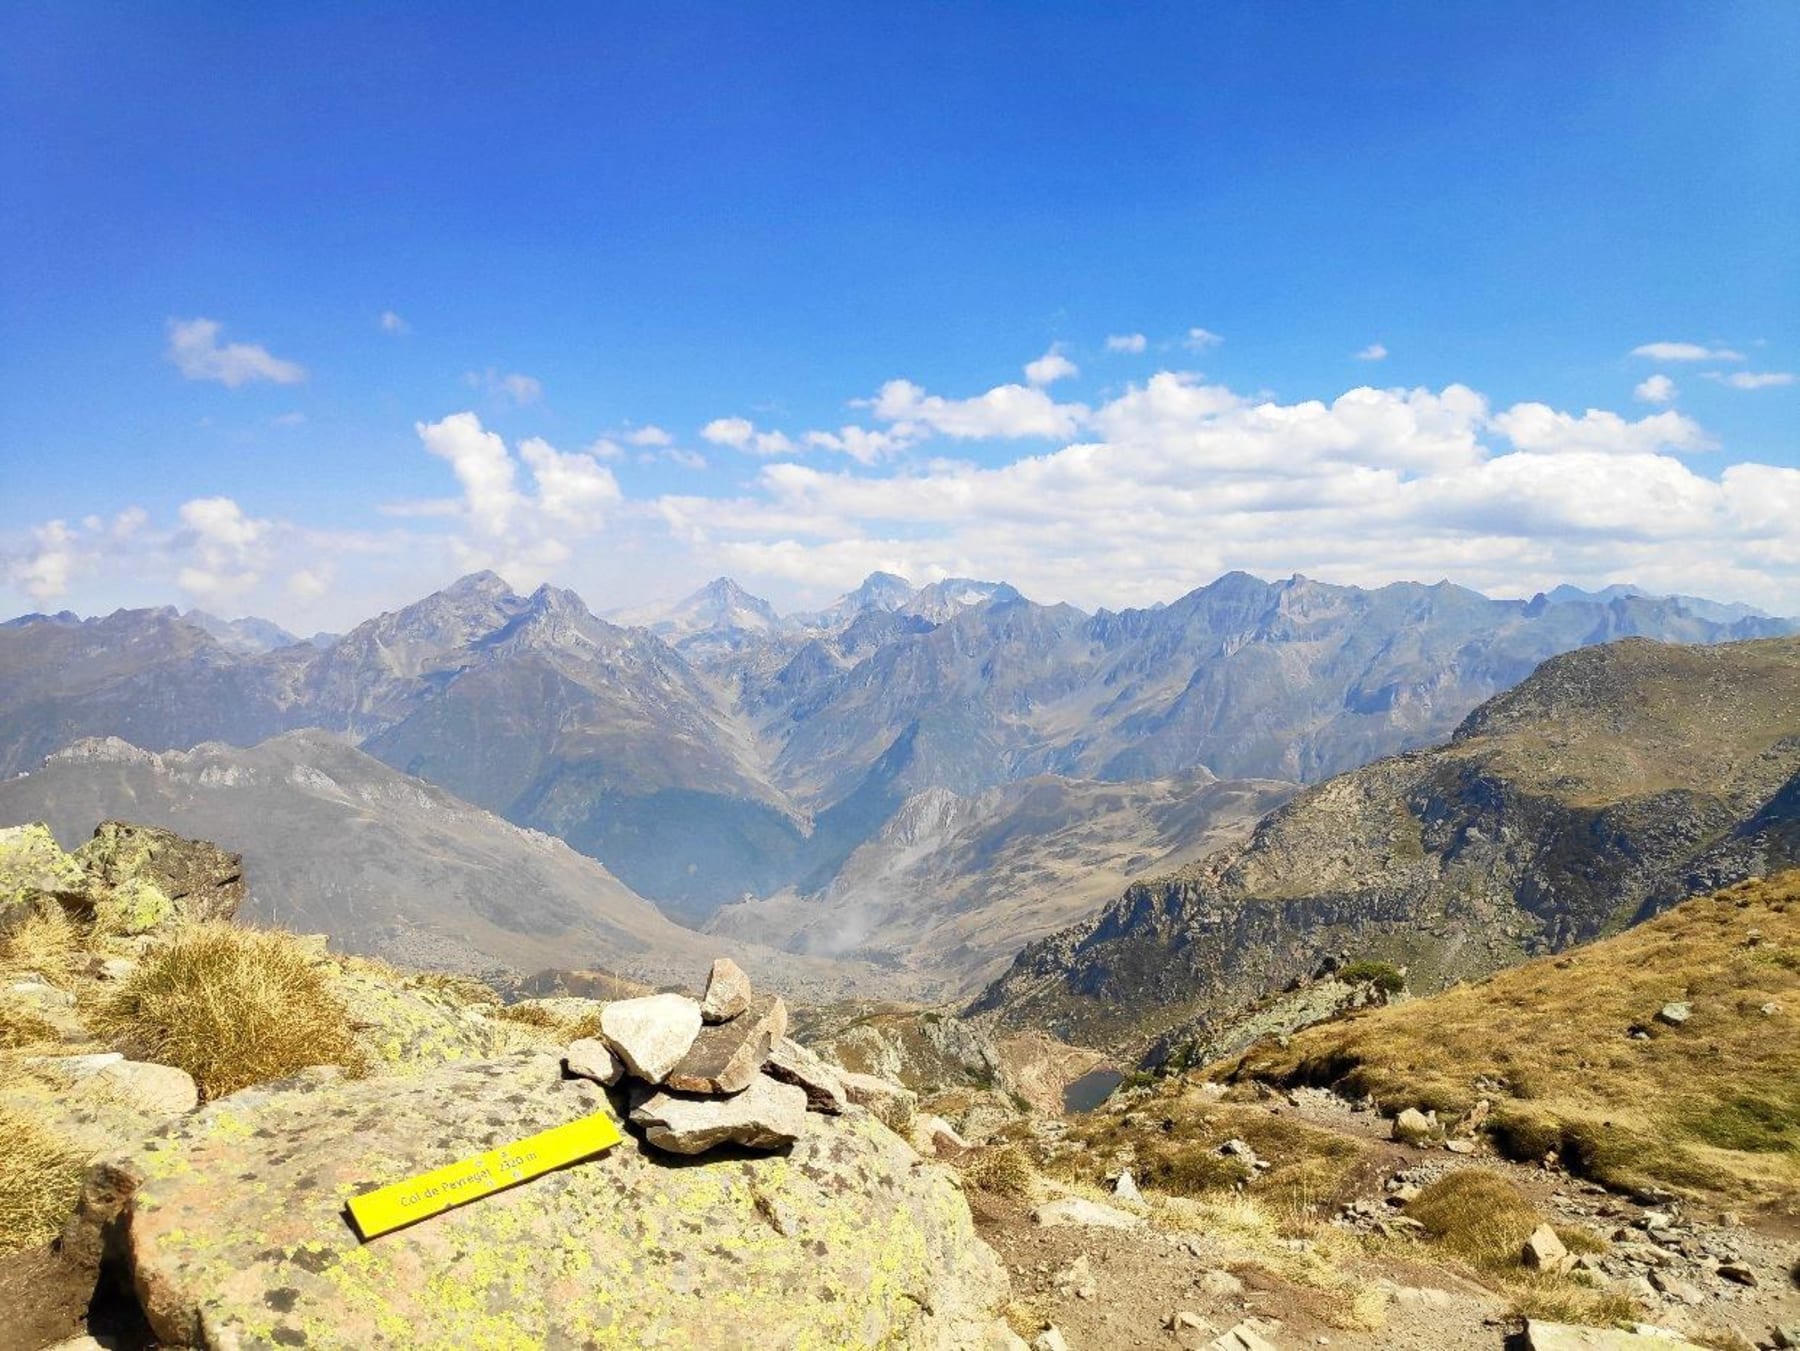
(1384, 976)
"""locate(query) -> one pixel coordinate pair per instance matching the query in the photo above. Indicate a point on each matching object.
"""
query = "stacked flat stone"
(714, 1072)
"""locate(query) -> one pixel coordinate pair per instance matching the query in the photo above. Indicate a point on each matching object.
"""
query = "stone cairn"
(718, 1071)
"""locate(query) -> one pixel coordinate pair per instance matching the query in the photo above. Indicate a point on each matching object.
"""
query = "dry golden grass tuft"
(21, 1026)
(560, 1028)
(47, 943)
(1480, 1218)
(464, 990)
(232, 1007)
(1004, 1169)
(39, 1181)
(1711, 1106)
(1173, 1139)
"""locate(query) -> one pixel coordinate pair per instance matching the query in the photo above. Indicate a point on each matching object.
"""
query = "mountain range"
(715, 751)
(1614, 782)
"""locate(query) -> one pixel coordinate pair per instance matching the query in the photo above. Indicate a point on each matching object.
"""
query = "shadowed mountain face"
(757, 752)
(336, 842)
(1609, 785)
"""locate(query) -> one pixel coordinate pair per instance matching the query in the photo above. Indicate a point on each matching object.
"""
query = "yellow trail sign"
(403, 1203)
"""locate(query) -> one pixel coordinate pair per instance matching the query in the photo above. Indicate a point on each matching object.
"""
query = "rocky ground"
(1172, 1273)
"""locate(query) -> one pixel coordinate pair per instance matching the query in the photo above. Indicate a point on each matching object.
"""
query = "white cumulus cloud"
(522, 533)
(1540, 429)
(1003, 413)
(228, 549)
(390, 322)
(198, 354)
(741, 434)
(1655, 389)
(1199, 339)
(1373, 352)
(1050, 368)
(1134, 343)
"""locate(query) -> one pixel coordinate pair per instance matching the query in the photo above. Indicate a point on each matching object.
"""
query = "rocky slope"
(1581, 802)
(1666, 1057)
(385, 864)
(208, 1209)
(951, 886)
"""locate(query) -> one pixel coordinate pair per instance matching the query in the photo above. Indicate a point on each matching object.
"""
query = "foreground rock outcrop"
(230, 1228)
(127, 880)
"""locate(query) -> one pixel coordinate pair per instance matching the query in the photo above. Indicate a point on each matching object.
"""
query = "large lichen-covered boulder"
(34, 871)
(231, 1228)
(405, 1026)
(202, 880)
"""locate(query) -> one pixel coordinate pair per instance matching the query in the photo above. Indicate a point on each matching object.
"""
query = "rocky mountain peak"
(248, 636)
(483, 585)
(944, 600)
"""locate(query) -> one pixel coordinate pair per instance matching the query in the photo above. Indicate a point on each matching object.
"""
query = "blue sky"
(600, 224)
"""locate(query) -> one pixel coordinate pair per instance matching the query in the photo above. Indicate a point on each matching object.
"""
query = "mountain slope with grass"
(1577, 804)
(1666, 1056)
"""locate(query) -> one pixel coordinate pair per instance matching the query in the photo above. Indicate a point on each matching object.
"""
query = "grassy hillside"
(1612, 783)
(1572, 1055)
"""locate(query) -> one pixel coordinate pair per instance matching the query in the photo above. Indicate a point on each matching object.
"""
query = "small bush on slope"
(232, 1007)
(1004, 1169)
(1712, 1105)
(39, 1181)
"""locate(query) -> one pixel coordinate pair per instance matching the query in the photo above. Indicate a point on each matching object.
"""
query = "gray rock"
(1738, 1274)
(1674, 1014)
(1543, 1336)
(1219, 1285)
(1076, 1210)
(1544, 1251)
(892, 1105)
(591, 1058)
(728, 992)
(1126, 1189)
(726, 1056)
(936, 1138)
(1413, 1127)
(996, 1336)
(766, 1115)
(1674, 1287)
(607, 1250)
(1050, 1339)
(792, 1063)
(652, 1033)
(201, 879)
(1245, 1336)
(159, 1089)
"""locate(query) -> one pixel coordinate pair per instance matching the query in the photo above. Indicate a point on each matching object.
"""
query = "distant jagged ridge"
(748, 755)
